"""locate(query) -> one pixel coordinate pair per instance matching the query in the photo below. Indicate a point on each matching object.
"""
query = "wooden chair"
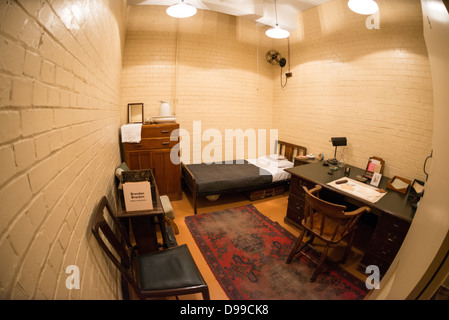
(170, 272)
(327, 221)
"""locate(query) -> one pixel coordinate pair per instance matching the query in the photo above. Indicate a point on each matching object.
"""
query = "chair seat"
(328, 230)
(171, 268)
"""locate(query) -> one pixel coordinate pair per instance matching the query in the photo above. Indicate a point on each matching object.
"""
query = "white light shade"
(363, 6)
(181, 10)
(277, 33)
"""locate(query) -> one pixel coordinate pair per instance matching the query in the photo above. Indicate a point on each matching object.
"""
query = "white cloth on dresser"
(132, 133)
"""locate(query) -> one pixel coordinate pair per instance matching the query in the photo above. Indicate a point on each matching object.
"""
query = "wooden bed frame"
(288, 150)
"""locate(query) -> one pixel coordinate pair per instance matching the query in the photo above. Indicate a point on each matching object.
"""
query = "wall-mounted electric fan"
(274, 57)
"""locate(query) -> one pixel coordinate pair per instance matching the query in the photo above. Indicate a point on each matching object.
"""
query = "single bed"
(241, 175)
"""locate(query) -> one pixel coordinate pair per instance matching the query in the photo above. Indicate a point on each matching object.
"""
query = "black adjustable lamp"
(337, 142)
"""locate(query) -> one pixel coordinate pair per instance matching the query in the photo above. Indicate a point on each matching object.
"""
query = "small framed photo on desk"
(375, 180)
(375, 165)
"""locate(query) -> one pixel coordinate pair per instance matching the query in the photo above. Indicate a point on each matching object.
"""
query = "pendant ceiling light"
(363, 6)
(181, 10)
(277, 32)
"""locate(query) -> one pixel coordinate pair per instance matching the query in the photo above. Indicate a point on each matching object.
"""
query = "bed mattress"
(219, 177)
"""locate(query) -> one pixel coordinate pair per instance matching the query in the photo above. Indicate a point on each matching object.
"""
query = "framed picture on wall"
(135, 113)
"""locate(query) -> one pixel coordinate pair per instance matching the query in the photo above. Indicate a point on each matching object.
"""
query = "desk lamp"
(337, 142)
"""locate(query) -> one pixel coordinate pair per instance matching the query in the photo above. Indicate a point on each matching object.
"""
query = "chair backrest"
(114, 240)
(325, 217)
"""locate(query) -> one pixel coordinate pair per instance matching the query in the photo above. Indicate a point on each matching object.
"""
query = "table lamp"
(337, 142)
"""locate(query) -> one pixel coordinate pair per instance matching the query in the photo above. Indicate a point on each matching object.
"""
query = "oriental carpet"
(247, 251)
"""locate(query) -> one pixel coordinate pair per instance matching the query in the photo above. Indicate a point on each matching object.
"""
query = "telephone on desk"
(416, 193)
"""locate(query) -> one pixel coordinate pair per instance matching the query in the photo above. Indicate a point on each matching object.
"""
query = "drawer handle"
(165, 131)
(389, 239)
(165, 143)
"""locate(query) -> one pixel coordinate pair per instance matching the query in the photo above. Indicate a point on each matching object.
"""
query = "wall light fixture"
(181, 10)
(277, 32)
(366, 7)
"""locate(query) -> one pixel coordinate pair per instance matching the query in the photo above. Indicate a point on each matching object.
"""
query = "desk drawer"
(373, 259)
(386, 240)
(153, 143)
(392, 229)
(296, 185)
(384, 248)
(295, 209)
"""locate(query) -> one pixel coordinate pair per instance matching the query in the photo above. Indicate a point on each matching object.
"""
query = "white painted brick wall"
(59, 115)
(373, 86)
(221, 76)
(63, 96)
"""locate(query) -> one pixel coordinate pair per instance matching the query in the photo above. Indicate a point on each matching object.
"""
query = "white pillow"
(276, 157)
(281, 163)
(285, 164)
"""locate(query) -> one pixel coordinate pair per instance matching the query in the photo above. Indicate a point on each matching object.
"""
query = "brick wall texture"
(69, 69)
(371, 85)
(60, 84)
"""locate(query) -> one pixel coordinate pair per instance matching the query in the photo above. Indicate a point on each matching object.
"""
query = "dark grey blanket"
(219, 177)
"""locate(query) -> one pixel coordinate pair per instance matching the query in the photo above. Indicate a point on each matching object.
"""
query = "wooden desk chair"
(170, 272)
(327, 221)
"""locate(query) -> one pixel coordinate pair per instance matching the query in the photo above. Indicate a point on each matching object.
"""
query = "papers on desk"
(399, 184)
(358, 189)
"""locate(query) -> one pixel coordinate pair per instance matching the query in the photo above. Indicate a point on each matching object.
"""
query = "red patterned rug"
(247, 253)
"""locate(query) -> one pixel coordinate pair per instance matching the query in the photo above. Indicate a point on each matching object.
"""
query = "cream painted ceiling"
(261, 11)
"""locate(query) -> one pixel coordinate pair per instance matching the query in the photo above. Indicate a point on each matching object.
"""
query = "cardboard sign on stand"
(137, 196)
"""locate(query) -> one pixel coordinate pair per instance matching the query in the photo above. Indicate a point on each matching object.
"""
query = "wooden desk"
(143, 222)
(394, 212)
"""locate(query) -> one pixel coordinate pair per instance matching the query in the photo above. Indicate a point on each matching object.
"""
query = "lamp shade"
(181, 10)
(363, 6)
(277, 33)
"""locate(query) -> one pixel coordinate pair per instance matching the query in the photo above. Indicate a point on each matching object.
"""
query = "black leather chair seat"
(171, 268)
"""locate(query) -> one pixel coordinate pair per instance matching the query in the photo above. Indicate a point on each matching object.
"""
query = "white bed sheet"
(275, 165)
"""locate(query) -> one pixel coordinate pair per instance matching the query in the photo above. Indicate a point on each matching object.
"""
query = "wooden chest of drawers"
(153, 152)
